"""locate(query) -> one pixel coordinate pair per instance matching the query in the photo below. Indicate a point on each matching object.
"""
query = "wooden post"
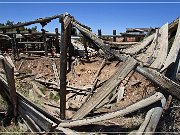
(70, 47)
(85, 48)
(9, 70)
(45, 44)
(65, 39)
(57, 40)
(14, 46)
(99, 32)
(114, 33)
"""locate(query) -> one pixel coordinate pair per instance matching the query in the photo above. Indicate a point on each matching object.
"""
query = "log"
(172, 56)
(129, 109)
(155, 117)
(152, 118)
(65, 40)
(40, 20)
(106, 89)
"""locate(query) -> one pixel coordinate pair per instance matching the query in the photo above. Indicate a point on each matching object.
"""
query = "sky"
(104, 16)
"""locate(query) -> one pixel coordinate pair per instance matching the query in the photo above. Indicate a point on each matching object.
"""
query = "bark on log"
(106, 89)
(136, 106)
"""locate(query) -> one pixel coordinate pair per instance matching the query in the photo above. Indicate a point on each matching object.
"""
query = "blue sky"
(105, 16)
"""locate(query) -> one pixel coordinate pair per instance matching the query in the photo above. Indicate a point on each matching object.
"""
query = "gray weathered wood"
(136, 106)
(9, 70)
(162, 48)
(155, 117)
(152, 118)
(172, 56)
(146, 57)
(162, 81)
(106, 89)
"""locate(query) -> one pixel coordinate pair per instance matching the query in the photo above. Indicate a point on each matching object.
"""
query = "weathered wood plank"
(146, 57)
(106, 89)
(136, 106)
(9, 70)
(162, 48)
(162, 81)
(172, 56)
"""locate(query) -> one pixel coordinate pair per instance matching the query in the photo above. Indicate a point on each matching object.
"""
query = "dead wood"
(172, 56)
(152, 118)
(106, 89)
(162, 49)
(136, 106)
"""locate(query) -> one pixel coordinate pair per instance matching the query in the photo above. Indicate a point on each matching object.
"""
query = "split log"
(106, 89)
(172, 56)
(135, 49)
(129, 109)
(162, 48)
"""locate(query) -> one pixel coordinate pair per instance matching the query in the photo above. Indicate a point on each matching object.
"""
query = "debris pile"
(125, 86)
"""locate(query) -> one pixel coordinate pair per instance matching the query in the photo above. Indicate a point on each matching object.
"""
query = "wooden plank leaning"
(9, 71)
(107, 88)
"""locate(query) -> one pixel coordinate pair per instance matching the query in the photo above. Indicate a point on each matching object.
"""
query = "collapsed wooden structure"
(154, 58)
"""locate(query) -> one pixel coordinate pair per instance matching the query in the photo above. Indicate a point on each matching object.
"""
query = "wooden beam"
(106, 89)
(43, 21)
(63, 66)
(45, 43)
(114, 33)
(162, 81)
(120, 112)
